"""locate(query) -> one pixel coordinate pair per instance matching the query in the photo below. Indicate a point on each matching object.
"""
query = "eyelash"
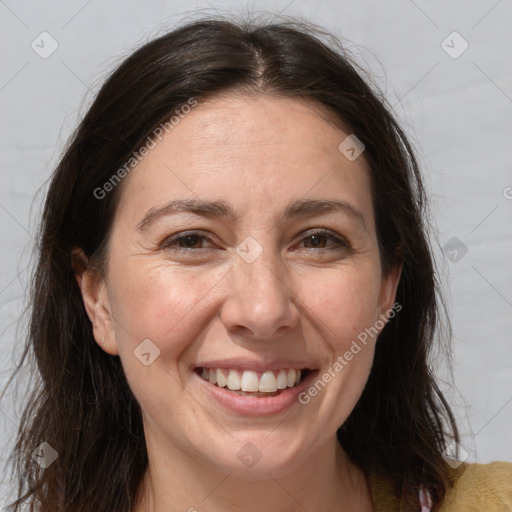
(170, 243)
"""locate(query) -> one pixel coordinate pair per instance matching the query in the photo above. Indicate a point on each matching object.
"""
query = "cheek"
(161, 303)
(344, 301)
(343, 308)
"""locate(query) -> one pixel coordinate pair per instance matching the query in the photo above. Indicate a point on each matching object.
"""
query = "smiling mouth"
(251, 383)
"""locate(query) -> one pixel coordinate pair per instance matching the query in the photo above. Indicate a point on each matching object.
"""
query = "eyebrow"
(311, 207)
(221, 210)
(214, 209)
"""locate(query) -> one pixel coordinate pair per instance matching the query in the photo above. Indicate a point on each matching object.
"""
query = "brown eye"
(324, 241)
(316, 241)
(186, 242)
(189, 241)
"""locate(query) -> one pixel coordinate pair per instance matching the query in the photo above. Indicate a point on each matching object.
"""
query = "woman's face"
(244, 244)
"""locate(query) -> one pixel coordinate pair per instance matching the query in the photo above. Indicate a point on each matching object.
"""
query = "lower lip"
(257, 406)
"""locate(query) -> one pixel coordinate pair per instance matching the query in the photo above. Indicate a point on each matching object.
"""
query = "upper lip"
(255, 365)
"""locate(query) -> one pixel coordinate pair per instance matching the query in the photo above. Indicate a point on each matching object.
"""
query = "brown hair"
(83, 406)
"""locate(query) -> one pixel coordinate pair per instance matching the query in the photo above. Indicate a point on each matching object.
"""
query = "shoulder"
(480, 487)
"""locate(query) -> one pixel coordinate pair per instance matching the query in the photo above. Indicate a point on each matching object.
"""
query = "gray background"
(457, 111)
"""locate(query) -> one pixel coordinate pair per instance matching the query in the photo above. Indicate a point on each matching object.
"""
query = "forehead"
(253, 150)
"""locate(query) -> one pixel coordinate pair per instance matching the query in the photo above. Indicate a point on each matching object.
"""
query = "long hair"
(82, 405)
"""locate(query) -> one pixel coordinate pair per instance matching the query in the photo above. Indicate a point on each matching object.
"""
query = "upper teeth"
(266, 382)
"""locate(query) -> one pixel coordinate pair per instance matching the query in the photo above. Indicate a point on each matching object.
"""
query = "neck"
(327, 481)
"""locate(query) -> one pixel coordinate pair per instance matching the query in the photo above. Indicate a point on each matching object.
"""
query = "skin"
(204, 303)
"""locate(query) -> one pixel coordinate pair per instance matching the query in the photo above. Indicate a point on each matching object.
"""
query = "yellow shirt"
(478, 488)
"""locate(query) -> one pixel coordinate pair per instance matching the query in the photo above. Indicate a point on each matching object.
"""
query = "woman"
(235, 298)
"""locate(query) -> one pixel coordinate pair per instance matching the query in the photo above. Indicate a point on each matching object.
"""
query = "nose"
(260, 303)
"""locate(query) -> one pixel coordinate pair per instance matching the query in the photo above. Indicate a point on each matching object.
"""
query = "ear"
(388, 288)
(96, 301)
